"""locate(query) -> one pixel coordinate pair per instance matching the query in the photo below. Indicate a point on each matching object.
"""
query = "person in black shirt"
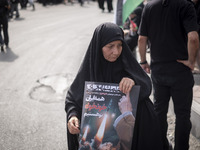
(4, 6)
(171, 27)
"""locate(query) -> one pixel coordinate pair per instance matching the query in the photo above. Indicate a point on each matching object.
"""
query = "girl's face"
(112, 50)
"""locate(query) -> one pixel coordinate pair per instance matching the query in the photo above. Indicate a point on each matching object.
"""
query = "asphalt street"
(45, 51)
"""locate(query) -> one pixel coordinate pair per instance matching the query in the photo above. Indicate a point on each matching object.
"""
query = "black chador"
(95, 68)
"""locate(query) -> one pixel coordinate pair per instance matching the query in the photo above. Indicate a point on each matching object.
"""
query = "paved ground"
(46, 48)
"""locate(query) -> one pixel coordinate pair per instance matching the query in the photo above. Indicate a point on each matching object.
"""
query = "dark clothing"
(81, 2)
(132, 42)
(95, 68)
(131, 39)
(3, 7)
(14, 7)
(23, 3)
(14, 1)
(101, 4)
(141, 5)
(44, 2)
(166, 26)
(109, 5)
(179, 87)
(4, 22)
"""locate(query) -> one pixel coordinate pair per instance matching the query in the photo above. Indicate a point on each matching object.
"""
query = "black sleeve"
(198, 15)
(143, 24)
(6, 3)
(189, 17)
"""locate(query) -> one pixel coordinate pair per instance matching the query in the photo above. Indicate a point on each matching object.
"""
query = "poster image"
(108, 117)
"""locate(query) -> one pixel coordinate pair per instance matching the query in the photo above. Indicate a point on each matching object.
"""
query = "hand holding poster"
(108, 117)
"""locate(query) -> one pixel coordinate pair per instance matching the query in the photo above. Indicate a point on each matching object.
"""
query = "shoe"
(2, 48)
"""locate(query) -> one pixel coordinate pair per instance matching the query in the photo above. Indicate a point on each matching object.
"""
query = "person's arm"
(193, 45)
(189, 19)
(142, 45)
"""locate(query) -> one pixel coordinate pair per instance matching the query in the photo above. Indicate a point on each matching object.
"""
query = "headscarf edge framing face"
(90, 67)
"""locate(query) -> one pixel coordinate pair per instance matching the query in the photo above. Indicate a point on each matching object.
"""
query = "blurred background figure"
(23, 3)
(14, 7)
(109, 5)
(130, 29)
(81, 2)
(31, 2)
(68, 1)
(4, 8)
(131, 25)
(101, 4)
(44, 2)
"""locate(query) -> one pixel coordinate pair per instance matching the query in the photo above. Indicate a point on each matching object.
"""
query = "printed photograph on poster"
(108, 117)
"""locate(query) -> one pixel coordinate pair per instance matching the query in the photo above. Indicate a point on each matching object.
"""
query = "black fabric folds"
(95, 68)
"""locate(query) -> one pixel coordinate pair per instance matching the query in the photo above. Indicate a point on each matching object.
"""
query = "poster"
(108, 117)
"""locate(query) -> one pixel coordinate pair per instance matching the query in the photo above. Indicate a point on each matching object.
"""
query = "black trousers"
(178, 86)
(109, 5)
(23, 3)
(4, 26)
(101, 4)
